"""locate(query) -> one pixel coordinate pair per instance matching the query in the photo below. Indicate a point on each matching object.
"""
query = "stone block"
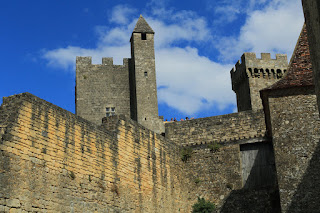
(13, 203)
(14, 210)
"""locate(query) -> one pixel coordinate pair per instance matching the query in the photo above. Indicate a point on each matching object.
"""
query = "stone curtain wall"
(54, 161)
(220, 129)
(217, 174)
(295, 132)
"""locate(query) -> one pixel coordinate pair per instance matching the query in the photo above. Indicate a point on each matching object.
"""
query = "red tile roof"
(300, 67)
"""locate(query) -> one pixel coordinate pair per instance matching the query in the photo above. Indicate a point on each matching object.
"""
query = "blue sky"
(196, 45)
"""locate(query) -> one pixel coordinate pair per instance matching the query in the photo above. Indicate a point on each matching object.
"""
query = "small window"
(110, 111)
(143, 36)
(146, 74)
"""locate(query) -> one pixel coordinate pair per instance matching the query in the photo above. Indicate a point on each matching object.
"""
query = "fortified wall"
(54, 161)
(231, 160)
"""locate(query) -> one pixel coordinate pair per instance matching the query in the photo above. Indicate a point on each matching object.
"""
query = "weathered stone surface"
(296, 133)
(254, 74)
(13, 203)
(87, 168)
(222, 129)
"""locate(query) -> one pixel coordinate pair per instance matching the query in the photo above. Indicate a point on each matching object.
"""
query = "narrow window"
(110, 111)
(145, 119)
(256, 72)
(146, 74)
(143, 36)
(279, 73)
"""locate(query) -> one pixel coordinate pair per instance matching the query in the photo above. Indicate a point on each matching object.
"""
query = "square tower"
(254, 74)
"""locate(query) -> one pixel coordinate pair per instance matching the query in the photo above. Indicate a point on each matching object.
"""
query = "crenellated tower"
(130, 89)
(254, 74)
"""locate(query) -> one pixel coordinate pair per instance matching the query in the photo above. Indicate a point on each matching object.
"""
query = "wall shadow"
(260, 192)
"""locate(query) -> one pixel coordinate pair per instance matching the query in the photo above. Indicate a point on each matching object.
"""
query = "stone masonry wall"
(54, 161)
(217, 173)
(217, 177)
(223, 128)
(101, 85)
(295, 128)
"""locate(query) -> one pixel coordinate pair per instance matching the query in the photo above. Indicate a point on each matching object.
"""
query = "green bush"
(214, 147)
(185, 154)
(203, 206)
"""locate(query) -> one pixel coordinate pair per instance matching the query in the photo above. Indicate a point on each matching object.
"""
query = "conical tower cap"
(142, 26)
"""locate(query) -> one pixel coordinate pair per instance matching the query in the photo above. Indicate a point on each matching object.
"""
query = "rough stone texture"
(222, 129)
(254, 74)
(100, 86)
(217, 177)
(54, 161)
(218, 173)
(295, 130)
(311, 10)
(131, 88)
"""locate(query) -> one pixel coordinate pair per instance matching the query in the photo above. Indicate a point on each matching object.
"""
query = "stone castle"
(116, 154)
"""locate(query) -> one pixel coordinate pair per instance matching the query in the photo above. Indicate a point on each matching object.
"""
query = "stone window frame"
(110, 111)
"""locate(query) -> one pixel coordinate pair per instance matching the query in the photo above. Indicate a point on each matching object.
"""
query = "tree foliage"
(203, 206)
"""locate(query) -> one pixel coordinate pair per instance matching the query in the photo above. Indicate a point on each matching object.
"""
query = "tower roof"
(142, 26)
(300, 67)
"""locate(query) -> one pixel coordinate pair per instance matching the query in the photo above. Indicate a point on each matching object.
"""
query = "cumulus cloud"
(190, 82)
(274, 29)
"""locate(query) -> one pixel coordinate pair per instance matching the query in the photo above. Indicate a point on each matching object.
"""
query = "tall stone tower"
(130, 89)
(254, 74)
(144, 102)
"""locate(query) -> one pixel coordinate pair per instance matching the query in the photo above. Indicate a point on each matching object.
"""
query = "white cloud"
(190, 82)
(273, 29)
(121, 13)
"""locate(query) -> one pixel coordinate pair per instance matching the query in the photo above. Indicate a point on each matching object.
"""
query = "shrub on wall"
(185, 154)
(214, 147)
(203, 206)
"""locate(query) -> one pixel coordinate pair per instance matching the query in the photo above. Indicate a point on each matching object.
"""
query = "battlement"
(264, 67)
(106, 61)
